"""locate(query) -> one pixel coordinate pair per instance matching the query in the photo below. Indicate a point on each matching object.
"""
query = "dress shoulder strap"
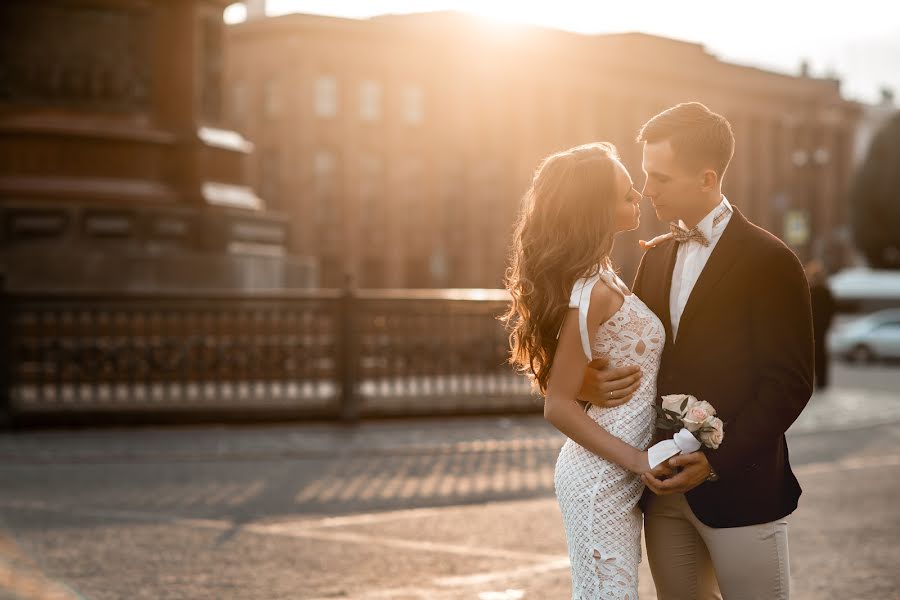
(581, 299)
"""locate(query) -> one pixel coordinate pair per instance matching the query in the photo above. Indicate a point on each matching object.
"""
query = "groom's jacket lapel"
(670, 254)
(727, 250)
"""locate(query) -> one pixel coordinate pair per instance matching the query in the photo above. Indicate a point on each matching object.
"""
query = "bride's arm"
(561, 409)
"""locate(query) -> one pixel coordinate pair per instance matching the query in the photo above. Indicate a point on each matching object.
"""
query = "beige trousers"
(691, 561)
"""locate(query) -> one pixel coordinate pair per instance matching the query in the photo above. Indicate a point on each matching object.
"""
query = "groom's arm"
(782, 345)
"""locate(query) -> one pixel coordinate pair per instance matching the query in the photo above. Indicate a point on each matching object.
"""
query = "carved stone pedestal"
(115, 170)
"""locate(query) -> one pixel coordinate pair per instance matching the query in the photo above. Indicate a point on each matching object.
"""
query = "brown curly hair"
(564, 231)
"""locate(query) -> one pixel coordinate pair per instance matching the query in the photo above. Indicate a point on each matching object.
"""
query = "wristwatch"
(712, 475)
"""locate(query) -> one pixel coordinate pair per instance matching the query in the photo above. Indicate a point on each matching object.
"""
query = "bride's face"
(627, 210)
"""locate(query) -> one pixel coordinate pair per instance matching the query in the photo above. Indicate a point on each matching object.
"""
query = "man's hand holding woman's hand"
(692, 470)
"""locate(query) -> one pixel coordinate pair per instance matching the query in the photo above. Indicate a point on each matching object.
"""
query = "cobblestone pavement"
(441, 508)
(839, 408)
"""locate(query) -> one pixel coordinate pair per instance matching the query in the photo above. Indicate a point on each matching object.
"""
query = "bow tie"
(682, 235)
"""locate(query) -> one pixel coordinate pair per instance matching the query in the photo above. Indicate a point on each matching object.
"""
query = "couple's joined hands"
(609, 388)
(678, 475)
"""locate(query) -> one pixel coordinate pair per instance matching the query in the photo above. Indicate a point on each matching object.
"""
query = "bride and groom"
(719, 309)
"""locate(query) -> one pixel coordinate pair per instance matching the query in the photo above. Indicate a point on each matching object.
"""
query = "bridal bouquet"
(695, 423)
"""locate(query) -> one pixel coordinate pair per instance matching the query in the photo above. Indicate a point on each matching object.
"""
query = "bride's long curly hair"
(564, 231)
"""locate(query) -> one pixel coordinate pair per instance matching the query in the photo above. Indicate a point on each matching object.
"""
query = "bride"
(568, 308)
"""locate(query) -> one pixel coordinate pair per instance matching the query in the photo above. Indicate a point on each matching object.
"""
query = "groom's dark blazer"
(745, 344)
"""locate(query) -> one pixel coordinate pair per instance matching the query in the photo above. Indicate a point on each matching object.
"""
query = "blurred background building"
(399, 146)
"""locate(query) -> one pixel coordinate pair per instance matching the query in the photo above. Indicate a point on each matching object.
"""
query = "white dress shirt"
(691, 259)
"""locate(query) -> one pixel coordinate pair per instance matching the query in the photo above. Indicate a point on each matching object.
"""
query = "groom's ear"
(710, 180)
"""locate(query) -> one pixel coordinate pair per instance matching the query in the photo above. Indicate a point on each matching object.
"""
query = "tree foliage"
(875, 199)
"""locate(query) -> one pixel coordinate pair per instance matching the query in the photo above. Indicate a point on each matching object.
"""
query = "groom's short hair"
(699, 137)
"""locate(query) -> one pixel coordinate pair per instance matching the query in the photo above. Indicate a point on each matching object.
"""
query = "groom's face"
(672, 188)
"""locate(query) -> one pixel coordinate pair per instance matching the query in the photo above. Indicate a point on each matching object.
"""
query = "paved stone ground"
(439, 509)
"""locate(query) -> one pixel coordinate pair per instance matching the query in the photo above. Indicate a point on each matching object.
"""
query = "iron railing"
(312, 353)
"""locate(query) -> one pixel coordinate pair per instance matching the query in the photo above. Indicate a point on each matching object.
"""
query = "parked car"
(873, 337)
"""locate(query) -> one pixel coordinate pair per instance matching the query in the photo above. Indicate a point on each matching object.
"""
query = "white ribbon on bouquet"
(684, 442)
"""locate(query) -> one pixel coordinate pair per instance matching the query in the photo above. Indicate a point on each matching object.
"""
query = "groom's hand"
(694, 471)
(607, 387)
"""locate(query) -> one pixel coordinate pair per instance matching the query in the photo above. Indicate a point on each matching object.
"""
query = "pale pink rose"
(691, 402)
(697, 414)
(673, 402)
(712, 433)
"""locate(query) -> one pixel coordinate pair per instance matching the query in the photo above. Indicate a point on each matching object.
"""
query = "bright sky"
(858, 41)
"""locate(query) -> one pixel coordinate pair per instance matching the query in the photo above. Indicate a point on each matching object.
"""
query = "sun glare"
(235, 13)
(500, 14)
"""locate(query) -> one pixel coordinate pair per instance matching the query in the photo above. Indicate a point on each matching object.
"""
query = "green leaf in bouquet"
(683, 404)
(672, 413)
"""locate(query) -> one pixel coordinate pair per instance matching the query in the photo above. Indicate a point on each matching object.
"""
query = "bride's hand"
(641, 465)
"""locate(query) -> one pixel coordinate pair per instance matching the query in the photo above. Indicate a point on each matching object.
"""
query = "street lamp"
(800, 224)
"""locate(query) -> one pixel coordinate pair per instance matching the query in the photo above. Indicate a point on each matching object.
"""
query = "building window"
(270, 176)
(370, 192)
(412, 200)
(324, 172)
(370, 100)
(324, 164)
(326, 97)
(272, 99)
(413, 104)
(373, 272)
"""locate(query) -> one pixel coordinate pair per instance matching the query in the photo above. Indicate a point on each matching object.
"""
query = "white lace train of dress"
(599, 499)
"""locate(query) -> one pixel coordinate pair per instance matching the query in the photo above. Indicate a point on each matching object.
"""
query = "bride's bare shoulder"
(605, 302)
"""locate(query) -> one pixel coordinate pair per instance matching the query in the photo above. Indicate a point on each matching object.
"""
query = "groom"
(735, 304)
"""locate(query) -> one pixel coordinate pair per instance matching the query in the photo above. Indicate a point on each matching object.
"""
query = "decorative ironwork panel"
(434, 355)
(174, 353)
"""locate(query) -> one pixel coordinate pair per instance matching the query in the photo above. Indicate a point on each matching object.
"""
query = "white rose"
(696, 415)
(712, 433)
(673, 402)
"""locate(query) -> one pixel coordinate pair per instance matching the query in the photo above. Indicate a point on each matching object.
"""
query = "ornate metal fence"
(322, 353)
(422, 352)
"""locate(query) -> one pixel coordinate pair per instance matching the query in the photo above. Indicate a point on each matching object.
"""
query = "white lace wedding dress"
(599, 499)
